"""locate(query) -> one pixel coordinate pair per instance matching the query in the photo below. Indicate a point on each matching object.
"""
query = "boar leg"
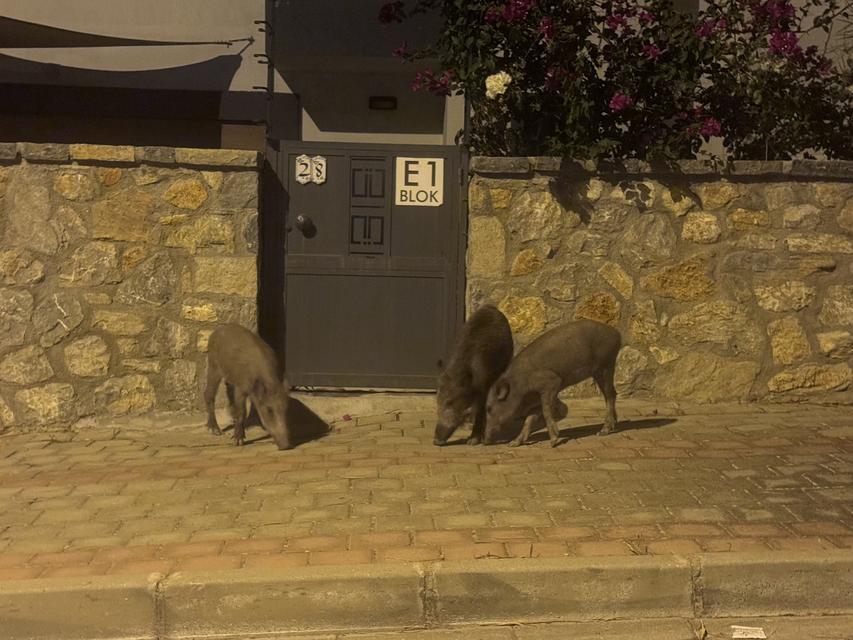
(525, 430)
(604, 380)
(239, 435)
(548, 385)
(213, 378)
(479, 415)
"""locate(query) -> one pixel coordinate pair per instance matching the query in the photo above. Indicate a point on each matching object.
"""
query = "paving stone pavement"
(160, 494)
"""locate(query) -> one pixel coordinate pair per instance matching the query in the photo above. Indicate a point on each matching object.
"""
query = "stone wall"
(725, 287)
(115, 265)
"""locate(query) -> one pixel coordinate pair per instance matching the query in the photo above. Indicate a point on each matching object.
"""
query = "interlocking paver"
(141, 496)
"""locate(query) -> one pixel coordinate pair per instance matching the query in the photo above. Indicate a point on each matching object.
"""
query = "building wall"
(724, 288)
(115, 265)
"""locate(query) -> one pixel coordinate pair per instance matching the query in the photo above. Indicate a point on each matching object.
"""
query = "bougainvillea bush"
(614, 79)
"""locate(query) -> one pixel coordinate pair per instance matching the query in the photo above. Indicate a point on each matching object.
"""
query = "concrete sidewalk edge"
(417, 596)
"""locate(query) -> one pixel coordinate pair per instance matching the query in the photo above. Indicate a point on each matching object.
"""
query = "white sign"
(420, 182)
(310, 169)
(318, 169)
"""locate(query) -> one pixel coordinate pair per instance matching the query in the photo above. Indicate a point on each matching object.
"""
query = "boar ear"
(502, 389)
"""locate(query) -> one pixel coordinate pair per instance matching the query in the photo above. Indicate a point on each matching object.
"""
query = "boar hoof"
(474, 440)
(515, 443)
(606, 429)
(214, 429)
(439, 443)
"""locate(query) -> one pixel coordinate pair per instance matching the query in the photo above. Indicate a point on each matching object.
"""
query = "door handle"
(305, 225)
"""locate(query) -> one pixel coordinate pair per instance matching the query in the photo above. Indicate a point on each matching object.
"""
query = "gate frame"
(273, 241)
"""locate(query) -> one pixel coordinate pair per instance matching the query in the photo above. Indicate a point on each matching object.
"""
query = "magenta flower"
(705, 29)
(710, 127)
(401, 51)
(391, 12)
(517, 9)
(620, 102)
(615, 21)
(646, 17)
(721, 24)
(546, 28)
(651, 51)
(785, 43)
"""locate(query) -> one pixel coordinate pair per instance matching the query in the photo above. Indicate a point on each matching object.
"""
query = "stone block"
(837, 305)
(616, 277)
(127, 395)
(227, 275)
(217, 157)
(602, 307)
(527, 261)
(527, 590)
(792, 295)
(77, 186)
(538, 215)
(92, 264)
(123, 216)
(239, 191)
(836, 344)
(649, 240)
(186, 193)
(250, 602)
(50, 404)
(810, 379)
(203, 232)
(788, 341)
(719, 322)
(169, 339)
(777, 584)
(153, 282)
(747, 220)
(684, 281)
(20, 267)
(159, 155)
(119, 322)
(39, 152)
(705, 377)
(527, 316)
(105, 607)
(26, 366)
(102, 153)
(16, 310)
(8, 151)
(715, 195)
(57, 316)
(804, 216)
(28, 214)
(486, 247)
(701, 227)
(88, 357)
(818, 243)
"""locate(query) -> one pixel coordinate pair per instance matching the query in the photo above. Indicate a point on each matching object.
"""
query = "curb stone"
(419, 596)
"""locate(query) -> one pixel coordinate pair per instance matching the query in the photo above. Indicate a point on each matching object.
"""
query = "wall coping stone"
(516, 166)
(11, 153)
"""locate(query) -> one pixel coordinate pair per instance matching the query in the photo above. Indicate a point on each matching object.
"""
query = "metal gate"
(373, 280)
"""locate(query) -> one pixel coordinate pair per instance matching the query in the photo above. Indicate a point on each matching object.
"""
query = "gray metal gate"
(373, 274)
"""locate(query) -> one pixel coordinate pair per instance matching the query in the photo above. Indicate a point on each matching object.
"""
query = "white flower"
(496, 84)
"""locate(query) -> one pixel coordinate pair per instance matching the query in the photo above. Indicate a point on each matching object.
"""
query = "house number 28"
(310, 169)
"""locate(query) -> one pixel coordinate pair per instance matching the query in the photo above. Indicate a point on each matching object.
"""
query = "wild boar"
(481, 353)
(250, 369)
(557, 359)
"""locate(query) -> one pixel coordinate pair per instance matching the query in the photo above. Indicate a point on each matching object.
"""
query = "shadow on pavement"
(304, 424)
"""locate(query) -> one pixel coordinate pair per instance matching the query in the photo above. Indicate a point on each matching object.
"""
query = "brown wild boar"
(481, 353)
(249, 368)
(557, 359)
